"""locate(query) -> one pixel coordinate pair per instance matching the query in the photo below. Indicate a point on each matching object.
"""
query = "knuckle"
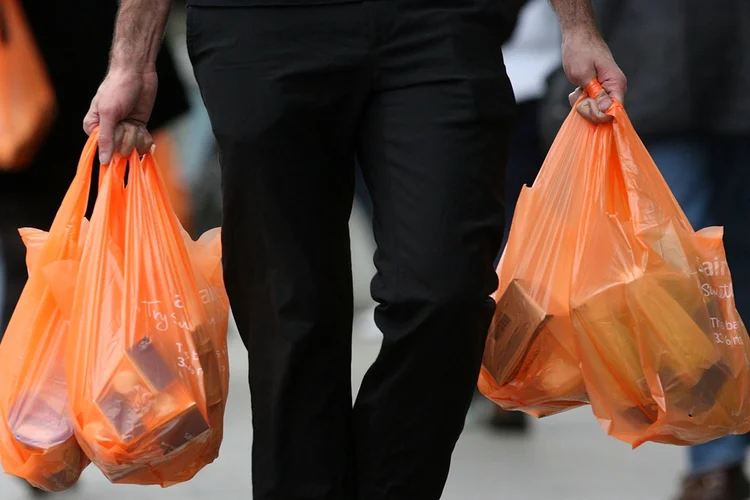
(108, 110)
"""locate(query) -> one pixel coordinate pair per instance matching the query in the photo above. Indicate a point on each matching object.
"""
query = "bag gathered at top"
(148, 331)
(117, 350)
(608, 296)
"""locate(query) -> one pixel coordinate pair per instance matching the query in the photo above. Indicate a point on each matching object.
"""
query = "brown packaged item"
(144, 402)
(514, 328)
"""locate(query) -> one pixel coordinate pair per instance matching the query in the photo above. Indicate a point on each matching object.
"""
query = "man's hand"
(121, 109)
(123, 104)
(586, 57)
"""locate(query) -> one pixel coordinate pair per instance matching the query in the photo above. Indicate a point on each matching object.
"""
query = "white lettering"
(180, 323)
(714, 267)
(723, 292)
(162, 324)
(733, 340)
(209, 295)
(725, 325)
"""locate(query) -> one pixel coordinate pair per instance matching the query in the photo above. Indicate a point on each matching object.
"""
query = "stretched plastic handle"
(594, 88)
(73, 207)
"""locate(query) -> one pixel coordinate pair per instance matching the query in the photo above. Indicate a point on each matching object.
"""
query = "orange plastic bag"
(149, 381)
(603, 272)
(27, 99)
(37, 440)
(531, 361)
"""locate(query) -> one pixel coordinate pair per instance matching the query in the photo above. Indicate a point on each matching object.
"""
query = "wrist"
(582, 31)
(123, 63)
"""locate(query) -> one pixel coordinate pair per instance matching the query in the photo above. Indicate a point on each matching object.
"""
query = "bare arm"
(575, 15)
(125, 99)
(138, 33)
(586, 56)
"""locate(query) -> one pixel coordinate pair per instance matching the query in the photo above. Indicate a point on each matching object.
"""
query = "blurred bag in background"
(27, 100)
(167, 156)
(604, 272)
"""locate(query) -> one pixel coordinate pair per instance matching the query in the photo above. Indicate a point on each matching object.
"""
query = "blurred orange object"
(37, 440)
(167, 156)
(27, 99)
(607, 295)
(148, 368)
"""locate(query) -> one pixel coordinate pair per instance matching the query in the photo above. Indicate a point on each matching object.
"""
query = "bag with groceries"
(608, 295)
(147, 365)
(37, 439)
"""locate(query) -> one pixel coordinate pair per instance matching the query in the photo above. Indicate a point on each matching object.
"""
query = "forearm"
(138, 33)
(576, 17)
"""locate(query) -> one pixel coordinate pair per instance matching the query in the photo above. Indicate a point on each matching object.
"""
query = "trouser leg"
(434, 146)
(284, 88)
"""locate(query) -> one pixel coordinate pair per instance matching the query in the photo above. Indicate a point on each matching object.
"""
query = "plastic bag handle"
(636, 169)
(145, 180)
(593, 88)
(73, 207)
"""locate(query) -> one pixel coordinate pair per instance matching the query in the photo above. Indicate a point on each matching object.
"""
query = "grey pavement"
(566, 457)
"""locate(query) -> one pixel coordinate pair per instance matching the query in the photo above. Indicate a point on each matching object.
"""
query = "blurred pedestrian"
(417, 92)
(688, 65)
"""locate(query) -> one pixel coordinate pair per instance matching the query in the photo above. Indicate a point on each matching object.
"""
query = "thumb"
(107, 125)
(603, 101)
(91, 120)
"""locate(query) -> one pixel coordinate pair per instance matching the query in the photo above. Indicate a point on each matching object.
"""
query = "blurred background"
(499, 455)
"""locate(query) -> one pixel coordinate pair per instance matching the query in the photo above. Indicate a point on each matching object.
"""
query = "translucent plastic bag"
(27, 100)
(149, 318)
(37, 440)
(531, 361)
(648, 307)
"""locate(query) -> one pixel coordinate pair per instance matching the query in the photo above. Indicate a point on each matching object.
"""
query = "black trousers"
(416, 91)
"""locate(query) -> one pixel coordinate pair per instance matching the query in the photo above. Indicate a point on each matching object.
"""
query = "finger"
(614, 82)
(107, 123)
(590, 111)
(144, 141)
(91, 120)
(574, 96)
(619, 86)
(119, 134)
(603, 101)
(128, 139)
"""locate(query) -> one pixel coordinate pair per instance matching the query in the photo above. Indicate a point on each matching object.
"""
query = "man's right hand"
(121, 109)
